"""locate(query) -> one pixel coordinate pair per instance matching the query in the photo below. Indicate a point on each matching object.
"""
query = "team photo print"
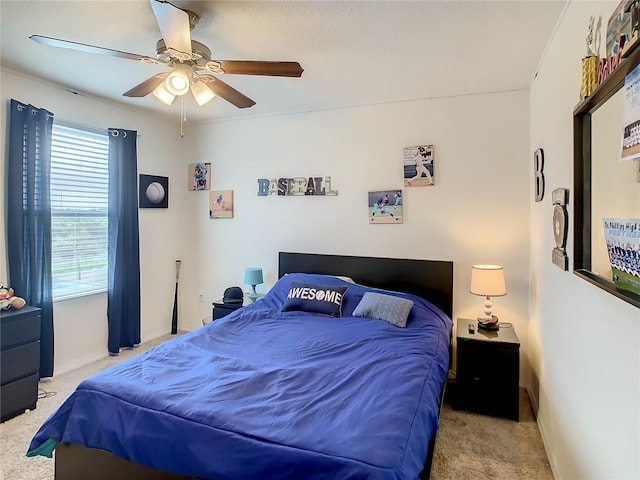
(385, 206)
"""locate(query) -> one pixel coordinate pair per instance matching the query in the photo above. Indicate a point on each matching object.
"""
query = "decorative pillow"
(394, 310)
(307, 297)
(346, 279)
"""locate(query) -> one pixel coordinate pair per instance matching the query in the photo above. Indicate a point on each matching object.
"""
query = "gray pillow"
(394, 310)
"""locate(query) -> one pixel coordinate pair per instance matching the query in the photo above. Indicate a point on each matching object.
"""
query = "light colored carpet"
(469, 446)
(479, 447)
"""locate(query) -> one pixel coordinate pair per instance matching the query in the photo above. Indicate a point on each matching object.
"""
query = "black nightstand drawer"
(223, 309)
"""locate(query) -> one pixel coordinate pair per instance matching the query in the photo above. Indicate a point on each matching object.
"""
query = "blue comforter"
(265, 394)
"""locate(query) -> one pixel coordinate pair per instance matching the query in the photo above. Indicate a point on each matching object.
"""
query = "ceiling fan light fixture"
(177, 83)
(201, 93)
(164, 95)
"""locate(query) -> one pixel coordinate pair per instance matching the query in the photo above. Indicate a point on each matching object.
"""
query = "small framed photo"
(418, 166)
(385, 206)
(199, 177)
(153, 192)
(221, 204)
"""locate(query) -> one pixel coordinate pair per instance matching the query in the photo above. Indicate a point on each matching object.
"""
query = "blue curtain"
(123, 309)
(29, 217)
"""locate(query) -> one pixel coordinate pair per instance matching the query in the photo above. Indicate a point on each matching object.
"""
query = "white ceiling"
(353, 52)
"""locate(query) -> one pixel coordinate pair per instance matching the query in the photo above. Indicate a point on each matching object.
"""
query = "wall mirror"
(603, 187)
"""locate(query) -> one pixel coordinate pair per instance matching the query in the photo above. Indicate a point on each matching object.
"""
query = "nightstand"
(488, 370)
(221, 309)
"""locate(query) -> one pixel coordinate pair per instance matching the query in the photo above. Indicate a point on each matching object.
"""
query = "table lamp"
(488, 281)
(253, 277)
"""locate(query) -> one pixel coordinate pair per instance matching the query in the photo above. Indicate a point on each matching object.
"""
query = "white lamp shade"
(162, 94)
(177, 82)
(201, 93)
(488, 281)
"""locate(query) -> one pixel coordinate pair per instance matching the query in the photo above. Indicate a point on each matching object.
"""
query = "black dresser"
(19, 360)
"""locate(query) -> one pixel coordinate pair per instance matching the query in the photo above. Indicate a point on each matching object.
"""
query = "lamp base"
(488, 323)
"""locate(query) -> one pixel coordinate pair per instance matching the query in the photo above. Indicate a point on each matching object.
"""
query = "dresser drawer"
(19, 362)
(20, 329)
(19, 396)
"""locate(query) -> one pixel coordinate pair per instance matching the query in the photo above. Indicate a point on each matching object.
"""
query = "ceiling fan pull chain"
(183, 114)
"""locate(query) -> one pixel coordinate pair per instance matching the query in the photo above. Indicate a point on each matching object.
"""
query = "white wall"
(80, 325)
(584, 344)
(476, 213)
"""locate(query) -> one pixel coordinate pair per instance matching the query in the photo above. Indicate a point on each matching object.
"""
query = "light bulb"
(177, 82)
(202, 93)
(162, 94)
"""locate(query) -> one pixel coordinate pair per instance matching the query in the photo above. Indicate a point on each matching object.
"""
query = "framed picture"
(623, 247)
(385, 206)
(631, 117)
(153, 192)
(418, 166)
(619, 24)
(199, 176)
(221, 204)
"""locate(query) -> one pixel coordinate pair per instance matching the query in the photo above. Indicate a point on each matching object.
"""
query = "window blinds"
(79, 201)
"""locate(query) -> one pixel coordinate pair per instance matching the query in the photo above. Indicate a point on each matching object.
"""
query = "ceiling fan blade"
(174, 26)
(81, 47)
(276, 69)
(227, 92)
(146, 87)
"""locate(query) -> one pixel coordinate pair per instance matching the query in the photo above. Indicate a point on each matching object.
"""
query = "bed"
(277, 390)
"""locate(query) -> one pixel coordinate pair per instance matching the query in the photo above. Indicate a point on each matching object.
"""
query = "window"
(79, 196)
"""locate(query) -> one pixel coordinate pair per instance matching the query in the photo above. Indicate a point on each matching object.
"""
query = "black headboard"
(429, 279)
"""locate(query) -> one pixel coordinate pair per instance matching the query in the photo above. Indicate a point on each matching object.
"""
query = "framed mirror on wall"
(604, 187)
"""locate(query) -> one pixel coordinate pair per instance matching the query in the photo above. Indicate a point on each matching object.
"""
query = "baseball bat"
(174, 319)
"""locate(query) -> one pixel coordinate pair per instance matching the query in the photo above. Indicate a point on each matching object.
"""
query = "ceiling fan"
(190, 62)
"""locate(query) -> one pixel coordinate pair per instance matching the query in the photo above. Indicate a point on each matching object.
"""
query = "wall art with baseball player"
(385, 206)
(153, 192)
(221, 204)
(199, 176)
(418, 163)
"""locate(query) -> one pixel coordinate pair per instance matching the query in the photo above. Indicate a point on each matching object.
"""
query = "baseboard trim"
(79, 362)
(94, 357)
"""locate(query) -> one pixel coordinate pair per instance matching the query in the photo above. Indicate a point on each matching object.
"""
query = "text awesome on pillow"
(307, 297)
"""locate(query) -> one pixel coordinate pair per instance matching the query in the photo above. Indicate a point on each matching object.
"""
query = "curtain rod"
(81, 126)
